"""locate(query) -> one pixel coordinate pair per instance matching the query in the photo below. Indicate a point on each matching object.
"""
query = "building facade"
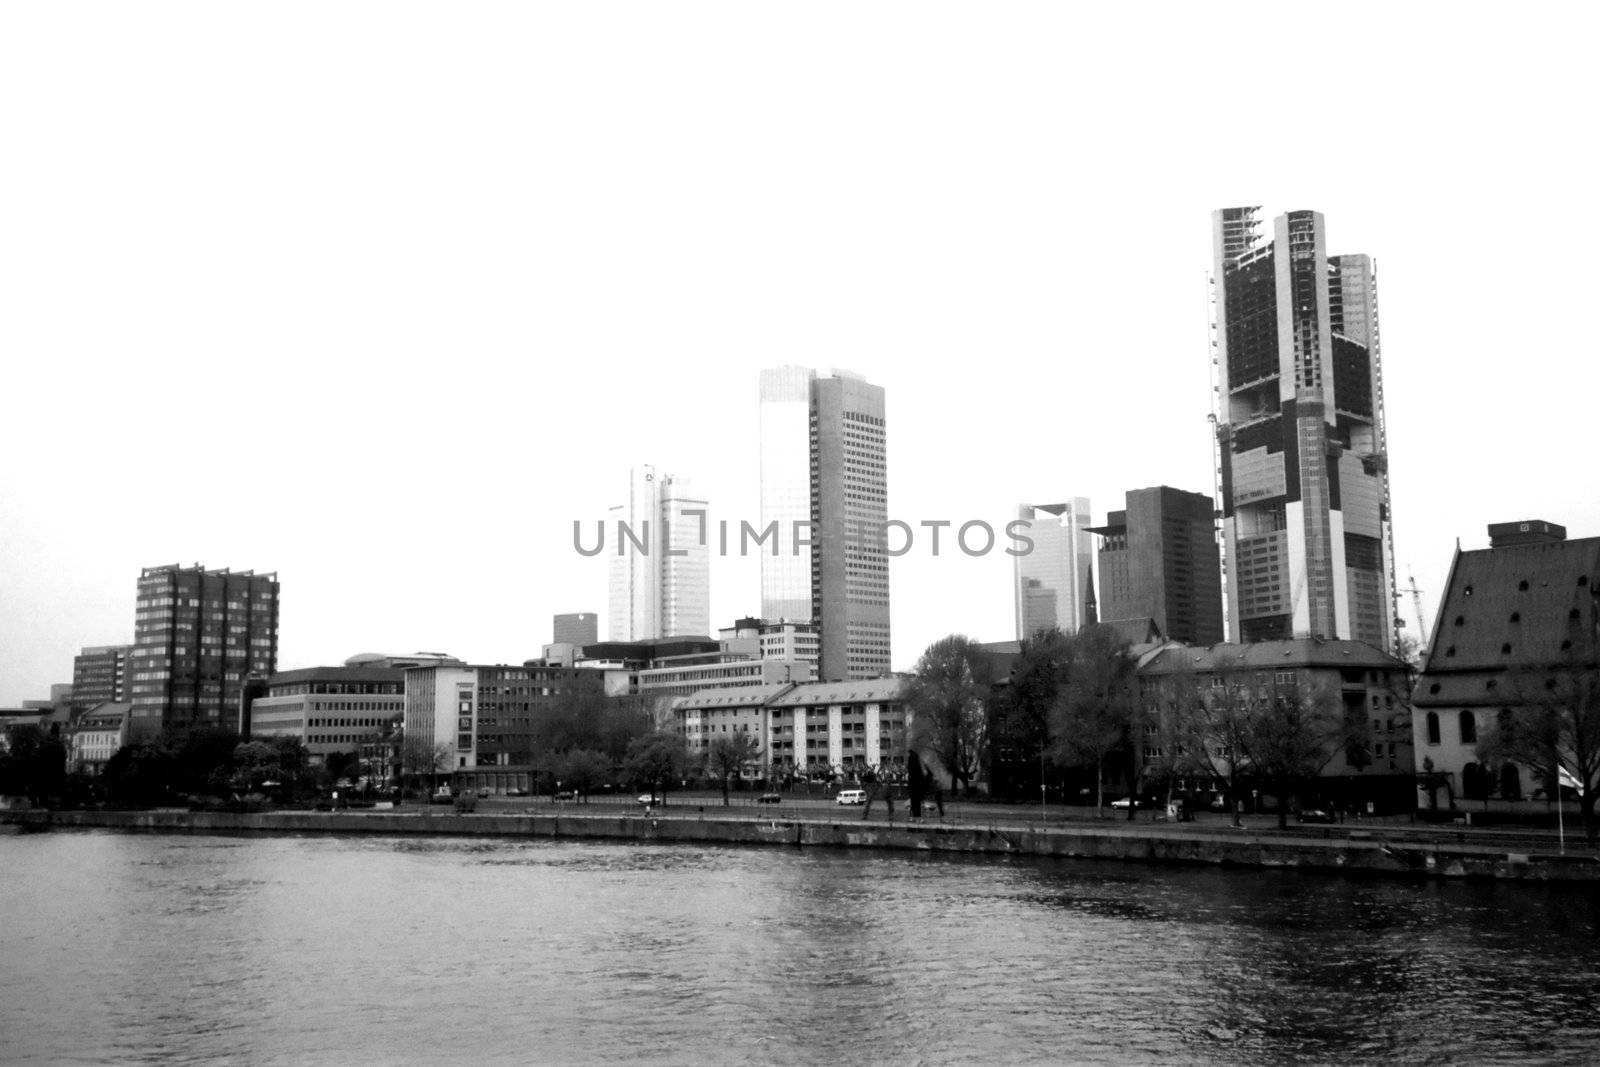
(660, 568)
(1370, 761)
(1054, 579)
(482, 719)
(1519, 625)
(99, 733)
(100, 676)
(198, 635)
(1301, 443)
(1159, 560)
(330, 709)
(824, 506)
(818, 729)
(576, 628)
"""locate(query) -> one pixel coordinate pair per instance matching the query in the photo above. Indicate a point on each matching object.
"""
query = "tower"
(1300, 433)
(1159, 561)
(197, 636)
(824, 498)
(1053, 580)
(660, 572)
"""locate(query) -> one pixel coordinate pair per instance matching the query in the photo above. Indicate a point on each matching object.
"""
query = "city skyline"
(1025, 276)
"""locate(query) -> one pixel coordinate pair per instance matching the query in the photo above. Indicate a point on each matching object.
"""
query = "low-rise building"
(813, 729)
(1370, 763)
(1519, 624)
(99, 733)
(483, 718)
(329, 709)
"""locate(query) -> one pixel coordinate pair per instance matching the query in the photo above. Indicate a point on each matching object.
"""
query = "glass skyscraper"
(660, 563)
(1053, 578)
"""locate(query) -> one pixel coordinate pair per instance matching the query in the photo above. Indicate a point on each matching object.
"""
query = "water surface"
(145, 948)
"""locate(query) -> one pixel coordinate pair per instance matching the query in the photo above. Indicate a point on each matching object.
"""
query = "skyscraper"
(824, 498)
(660, 566)
(197, 636)
(1300, 434)
(1159, 561)
(1053, 579)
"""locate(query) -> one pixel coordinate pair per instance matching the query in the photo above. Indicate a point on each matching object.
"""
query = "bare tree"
(1554, 731)
(946, 699)
(1296, 731)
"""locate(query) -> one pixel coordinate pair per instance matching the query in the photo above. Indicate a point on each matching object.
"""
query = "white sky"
(383, 296)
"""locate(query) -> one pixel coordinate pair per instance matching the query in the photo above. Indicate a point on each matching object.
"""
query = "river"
(128, 948)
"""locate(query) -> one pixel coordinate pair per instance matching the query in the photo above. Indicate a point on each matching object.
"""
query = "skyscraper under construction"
(1300, 433)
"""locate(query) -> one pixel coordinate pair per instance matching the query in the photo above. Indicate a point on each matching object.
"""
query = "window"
(1433, 728)
(1469, 729)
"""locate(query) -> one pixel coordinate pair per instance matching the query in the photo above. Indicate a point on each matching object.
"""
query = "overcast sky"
(382, 297)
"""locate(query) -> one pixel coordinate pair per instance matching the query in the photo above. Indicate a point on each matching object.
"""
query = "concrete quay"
(1366, 851)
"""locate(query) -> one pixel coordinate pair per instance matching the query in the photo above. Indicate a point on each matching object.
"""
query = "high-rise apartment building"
(198, 635)
(1159, 561)
(824, 506)
(100, 676)
(1054, 578)
(661, 568)
(1300, 434)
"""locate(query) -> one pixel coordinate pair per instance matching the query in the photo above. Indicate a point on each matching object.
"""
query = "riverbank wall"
(1147, 843)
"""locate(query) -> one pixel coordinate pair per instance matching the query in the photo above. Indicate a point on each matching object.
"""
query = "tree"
(945, 700)
(1554, 731)
(729, 755)
(585, 769)
(1094, 713)
(1214, 724)
(656, 760)
(1295, 733)
(419, 757)
(33, 765)
(1019, 721)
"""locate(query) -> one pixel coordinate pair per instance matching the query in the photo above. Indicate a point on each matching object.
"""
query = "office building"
(1054, 578)
(1300, 434)
(1159, 561)
(824, 506)
(660, 564)
(580, 628)
(330, 709)
(198, 636)
(100, 676)
(481, 719)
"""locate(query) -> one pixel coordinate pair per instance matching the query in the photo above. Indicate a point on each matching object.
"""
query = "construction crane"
(1422, 622)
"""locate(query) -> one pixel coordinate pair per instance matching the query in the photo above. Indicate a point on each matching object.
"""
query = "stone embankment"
(1150, 843)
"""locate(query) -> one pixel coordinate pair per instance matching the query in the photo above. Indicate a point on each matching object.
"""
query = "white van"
(851, 796)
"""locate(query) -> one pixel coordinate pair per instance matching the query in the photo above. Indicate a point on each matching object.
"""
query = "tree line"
(1075, 708)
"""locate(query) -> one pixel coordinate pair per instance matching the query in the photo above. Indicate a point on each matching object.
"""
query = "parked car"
(516, 792)
(1124, 803)
(1317, 815)
(851, 796)
(769, 798)
(647, 798)
(567, 794)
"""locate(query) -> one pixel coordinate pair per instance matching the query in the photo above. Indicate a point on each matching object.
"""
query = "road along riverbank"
(1137, 842)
